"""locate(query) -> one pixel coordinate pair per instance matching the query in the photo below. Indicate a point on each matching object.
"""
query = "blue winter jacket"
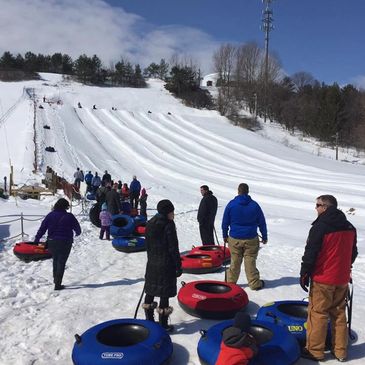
(135, 186)
(88, 178)
(60, 226)
(242, 216)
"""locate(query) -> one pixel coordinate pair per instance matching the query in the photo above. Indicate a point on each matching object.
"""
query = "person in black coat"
(163, 263)
(206, 215)
(112, 199)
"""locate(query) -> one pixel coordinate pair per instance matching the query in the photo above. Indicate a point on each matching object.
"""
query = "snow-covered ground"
(172, 150)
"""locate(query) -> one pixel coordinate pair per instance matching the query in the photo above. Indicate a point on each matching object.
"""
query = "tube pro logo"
(112, 355)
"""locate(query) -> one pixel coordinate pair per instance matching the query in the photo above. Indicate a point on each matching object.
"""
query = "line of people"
(329, 254)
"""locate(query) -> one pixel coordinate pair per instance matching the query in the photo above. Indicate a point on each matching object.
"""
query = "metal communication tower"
(267, 20)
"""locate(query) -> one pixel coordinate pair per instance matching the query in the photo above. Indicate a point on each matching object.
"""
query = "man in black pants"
(206, 215)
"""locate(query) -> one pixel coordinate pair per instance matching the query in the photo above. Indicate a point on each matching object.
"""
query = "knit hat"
(104, 206)
(165, 207)
(242, 321)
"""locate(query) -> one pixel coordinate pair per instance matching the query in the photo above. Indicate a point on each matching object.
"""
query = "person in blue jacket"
(61, 227)
(134, 190)
(242, 216)
(88, 179)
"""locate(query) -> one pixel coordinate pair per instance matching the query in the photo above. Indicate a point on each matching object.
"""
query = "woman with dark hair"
(163, 263)
(60, 226)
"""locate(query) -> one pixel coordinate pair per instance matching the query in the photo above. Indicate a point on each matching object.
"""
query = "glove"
(304, 282)
(178, 272)
(264, 242)
(225, 239)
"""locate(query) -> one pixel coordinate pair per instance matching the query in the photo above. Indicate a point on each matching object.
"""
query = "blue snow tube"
(140, 220)
(90, 196)
(122, 225)
(276, 345)
(291, 314)
(123, 341)
(129, 244)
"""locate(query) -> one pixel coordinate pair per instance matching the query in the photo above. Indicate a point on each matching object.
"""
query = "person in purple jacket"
(61, 227)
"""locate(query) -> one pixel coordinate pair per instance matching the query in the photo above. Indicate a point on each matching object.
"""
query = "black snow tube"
(94, 215)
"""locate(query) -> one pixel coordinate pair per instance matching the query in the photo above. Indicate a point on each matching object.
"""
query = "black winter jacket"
(163, 257)
(112, 199)
(207, 209)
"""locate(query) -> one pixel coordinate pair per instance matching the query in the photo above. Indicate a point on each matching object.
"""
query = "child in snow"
(143, 203)
(238, 346)
(106, 222)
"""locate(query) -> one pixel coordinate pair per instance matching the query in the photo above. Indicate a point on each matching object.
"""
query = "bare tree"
(301, 79)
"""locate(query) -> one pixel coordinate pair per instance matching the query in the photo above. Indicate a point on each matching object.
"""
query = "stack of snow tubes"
(123, 229)
(291, 314)
(31, 251)
(205, 259)
(276, 344)
(212, 299)
(125, 341)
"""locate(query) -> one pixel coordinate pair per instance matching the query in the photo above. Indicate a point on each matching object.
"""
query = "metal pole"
(336, 146)
(22, 224)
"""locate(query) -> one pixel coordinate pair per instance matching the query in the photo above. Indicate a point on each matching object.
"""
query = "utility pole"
(336, 139)
(267, 26)
(35, 130)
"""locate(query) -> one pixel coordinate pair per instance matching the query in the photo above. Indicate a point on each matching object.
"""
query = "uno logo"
(198, 296)
(297, 328)
(112, 355)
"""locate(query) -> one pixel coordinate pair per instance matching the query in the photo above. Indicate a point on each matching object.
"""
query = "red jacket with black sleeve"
(237, 347)
(331, 249)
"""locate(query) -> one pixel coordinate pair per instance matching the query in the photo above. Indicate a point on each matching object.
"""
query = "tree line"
(88, 70)
(333, 114)
(182, 77)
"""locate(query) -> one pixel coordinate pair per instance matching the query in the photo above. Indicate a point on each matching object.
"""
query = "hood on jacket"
(333, 217)
(243, 199)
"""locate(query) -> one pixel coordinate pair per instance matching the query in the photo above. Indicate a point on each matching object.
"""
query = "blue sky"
(323, 37)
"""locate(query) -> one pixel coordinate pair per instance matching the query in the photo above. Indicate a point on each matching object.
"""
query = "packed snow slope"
(173, 150)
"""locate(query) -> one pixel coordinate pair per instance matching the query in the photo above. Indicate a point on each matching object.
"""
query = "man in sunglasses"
(328, 257)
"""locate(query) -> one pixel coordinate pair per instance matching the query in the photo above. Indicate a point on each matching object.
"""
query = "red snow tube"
(193, 263)
(222, 252)
(212, 299)
(140, 230)
(30, 251)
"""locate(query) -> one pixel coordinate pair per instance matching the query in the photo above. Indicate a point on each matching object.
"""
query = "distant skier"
(79, 105)
(94, 107)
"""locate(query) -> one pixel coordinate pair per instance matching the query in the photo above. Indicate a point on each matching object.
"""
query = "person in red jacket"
(329, 254)
(238, 346)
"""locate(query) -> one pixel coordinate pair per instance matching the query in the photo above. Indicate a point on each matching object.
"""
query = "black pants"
(60, 251)
(206, 234)
(105, 229)
(133, 197)
(164, 301)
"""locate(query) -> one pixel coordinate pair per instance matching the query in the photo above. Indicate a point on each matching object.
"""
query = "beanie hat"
(165, 207)
(104, 206)
(242, 321)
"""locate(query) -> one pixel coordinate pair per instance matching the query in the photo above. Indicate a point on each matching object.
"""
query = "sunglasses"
(320, 205)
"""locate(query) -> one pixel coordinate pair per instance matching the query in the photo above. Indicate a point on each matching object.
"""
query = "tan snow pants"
(327, 302)
(246, 250)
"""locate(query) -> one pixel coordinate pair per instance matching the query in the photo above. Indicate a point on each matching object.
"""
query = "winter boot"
(148, 310)
(163, 317)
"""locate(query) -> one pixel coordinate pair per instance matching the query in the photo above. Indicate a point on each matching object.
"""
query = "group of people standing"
(326, 265)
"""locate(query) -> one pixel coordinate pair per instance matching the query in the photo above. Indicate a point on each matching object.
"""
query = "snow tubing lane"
(276, 345)
(129, 244)
(30, 251)
(291, 314)
(126, 341)
(214, 250)
(212, 299)
(195, 263)
(122, 225)
(94, 215)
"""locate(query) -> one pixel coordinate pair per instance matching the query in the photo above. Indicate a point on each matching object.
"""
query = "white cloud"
(95, 27)
(359, 81)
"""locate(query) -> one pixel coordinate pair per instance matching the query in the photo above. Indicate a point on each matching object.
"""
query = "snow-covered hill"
(173, 150)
